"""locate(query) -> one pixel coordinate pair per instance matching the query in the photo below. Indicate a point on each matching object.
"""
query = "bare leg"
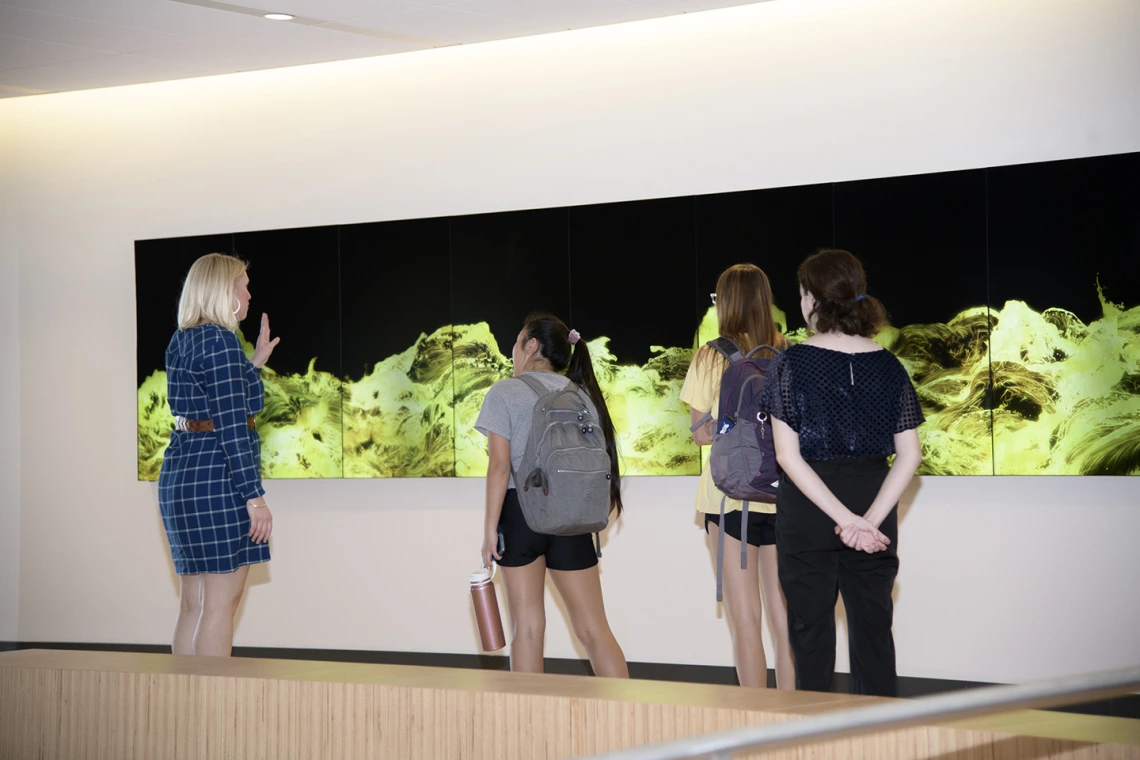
(189, 610)
(582, 592)
(525, 602)
(221, 594)
(745, 611)
(777, 610)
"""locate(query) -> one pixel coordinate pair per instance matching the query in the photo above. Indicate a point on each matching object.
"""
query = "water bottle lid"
(482, 575)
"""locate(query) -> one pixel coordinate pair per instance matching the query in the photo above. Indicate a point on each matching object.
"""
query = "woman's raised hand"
(265, 346)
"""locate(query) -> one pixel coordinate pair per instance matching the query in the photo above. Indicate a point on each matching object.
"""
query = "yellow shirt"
(701, 391)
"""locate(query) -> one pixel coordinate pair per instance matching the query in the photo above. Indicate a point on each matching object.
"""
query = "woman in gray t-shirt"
(554, 355)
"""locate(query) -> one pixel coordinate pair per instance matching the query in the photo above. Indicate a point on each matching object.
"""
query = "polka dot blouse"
(842, 405)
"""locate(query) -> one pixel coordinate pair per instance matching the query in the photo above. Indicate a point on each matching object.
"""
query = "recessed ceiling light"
(278, 17)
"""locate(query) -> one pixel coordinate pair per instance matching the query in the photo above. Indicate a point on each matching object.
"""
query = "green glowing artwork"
(1067, 394)
(1067, 401)
(1014, 295)
(415, 409)
(300, 427)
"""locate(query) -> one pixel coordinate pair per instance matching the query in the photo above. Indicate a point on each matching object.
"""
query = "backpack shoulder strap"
(756, 350)
(720, 552)
(583, 396)
(726, 348)
(534, 384)
(575, 390)
(573, 387)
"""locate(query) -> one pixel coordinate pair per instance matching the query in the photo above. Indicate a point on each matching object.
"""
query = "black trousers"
(815, 567)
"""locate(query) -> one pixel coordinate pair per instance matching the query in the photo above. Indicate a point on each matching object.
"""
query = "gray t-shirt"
(508, 409)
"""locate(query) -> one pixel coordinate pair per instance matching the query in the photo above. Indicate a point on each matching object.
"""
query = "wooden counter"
(73, 705)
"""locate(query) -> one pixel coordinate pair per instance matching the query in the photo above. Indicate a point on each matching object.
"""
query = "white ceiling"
(59, 45)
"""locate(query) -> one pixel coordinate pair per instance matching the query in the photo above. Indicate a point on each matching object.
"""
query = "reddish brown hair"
(839, 284)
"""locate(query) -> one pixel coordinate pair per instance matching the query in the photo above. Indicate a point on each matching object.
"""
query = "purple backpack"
(743, 457)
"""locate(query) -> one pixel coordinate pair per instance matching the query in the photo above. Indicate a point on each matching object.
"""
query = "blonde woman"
(209, 490)
(744, 316)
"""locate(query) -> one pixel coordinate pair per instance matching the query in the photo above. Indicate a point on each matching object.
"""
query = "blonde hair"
(208, 292)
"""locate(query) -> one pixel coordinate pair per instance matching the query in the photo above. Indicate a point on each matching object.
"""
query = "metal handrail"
(893, 715)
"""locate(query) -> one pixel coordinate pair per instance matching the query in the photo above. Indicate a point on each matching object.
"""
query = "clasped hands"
(862, 535)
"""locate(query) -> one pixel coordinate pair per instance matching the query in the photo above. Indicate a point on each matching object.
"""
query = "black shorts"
(521, 545)
(761, 526)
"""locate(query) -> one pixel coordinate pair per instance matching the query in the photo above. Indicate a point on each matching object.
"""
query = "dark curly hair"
(839, 284)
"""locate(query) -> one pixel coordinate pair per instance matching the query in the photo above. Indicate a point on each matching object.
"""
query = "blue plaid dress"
(207, 478)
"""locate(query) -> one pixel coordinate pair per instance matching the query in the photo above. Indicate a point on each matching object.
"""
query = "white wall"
(1002, 579)
(9, 394)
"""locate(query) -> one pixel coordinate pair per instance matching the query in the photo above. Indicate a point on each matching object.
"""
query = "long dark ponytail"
(553, 338)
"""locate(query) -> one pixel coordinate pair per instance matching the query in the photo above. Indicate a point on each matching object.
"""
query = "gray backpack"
(566, 489)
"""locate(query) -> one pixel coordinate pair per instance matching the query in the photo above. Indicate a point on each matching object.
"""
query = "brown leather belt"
(205, 426)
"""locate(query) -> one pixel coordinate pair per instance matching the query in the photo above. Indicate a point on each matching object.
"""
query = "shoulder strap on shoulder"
(534, 384)
(726, 348)
(754, 351)
(583, 395)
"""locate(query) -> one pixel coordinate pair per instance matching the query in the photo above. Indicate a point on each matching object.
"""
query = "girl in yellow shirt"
(744, 315)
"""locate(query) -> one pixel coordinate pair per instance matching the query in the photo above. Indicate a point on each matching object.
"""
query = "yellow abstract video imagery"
(1065, 401)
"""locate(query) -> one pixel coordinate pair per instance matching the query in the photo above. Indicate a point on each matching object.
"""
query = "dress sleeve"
(910, 410)
(224, 368)
(778, 398)
(254, 388)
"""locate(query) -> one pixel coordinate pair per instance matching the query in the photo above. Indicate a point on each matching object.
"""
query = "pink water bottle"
(487, 609)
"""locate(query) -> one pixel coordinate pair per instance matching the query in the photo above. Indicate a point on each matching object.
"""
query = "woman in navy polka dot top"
(840, 405)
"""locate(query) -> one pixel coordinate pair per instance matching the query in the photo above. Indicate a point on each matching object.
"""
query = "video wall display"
(1013, 292)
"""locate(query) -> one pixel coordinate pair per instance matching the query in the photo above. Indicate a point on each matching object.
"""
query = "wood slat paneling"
(91, 706)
